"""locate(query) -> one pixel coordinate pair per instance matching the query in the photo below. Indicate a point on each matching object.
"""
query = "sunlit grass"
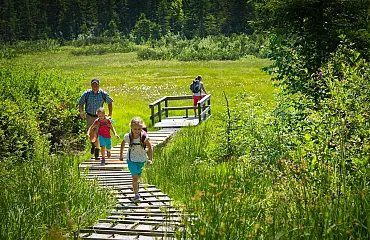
(135, 84)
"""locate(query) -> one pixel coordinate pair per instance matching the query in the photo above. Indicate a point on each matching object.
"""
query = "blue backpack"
(195, 86)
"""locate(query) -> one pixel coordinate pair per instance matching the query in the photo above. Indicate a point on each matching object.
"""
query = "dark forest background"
(69, 19)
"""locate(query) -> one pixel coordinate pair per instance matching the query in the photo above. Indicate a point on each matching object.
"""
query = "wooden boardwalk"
(153, 218)
(162, 107)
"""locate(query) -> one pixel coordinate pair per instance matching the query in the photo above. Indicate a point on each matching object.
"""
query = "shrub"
(37, 104)
(209, 48)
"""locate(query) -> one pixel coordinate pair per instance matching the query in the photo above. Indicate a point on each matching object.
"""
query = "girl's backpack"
(143, 136)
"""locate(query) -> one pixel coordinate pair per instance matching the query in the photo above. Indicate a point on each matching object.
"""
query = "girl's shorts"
(136, 168)
(107, 142)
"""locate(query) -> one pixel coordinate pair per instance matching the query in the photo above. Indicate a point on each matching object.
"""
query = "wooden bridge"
(154, 217)
(202, 111)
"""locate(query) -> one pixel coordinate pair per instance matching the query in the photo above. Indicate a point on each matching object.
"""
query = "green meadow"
(134, 84)
(264, 166)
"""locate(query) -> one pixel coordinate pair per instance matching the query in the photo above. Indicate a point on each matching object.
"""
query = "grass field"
(276, 182)
(135, 84)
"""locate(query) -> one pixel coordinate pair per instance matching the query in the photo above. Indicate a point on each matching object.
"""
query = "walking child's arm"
(121, 150)
(150, 152)
(114, 131)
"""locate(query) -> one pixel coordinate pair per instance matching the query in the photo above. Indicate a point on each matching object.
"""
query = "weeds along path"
(153, 218)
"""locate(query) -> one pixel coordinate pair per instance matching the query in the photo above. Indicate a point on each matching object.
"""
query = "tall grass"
(47, 198)
(44, 196)
(256, 196)
(298, 172)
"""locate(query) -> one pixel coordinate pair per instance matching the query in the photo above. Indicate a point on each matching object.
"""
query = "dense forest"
(69, 19)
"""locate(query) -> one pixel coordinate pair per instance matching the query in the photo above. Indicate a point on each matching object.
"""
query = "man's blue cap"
(95, 80)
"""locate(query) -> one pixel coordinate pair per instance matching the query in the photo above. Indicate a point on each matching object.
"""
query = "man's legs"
(93, 137)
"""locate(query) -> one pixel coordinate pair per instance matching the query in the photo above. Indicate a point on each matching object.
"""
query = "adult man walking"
(93, 99)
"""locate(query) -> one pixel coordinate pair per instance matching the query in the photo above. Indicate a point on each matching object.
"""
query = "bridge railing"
(203, 109)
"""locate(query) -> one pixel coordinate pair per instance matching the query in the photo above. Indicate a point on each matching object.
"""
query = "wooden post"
(199, 115)
(209, 104)
(152, 111)
(159, 112)
(166, 105)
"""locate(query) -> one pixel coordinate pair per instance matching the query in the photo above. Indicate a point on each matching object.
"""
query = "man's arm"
(110, 109)
(82, 114)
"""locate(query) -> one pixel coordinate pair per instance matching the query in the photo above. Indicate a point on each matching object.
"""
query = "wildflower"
(362, 193)
(218, 194)
(196, 198)
(223, 227)
(269, 220)
(257, 226)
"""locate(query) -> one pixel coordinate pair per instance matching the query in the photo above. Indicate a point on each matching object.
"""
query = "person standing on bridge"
(94, 99)
(136, 155)
(198, 92)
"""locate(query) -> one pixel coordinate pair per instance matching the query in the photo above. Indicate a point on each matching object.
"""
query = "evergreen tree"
(239, 13)
(141, 31)
(163, 17)
(176, 16)
(8, 21)
(196, 12)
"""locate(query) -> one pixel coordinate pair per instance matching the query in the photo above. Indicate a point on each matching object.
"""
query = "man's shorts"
(89, 120)
(136, 168)
(107, 142)
(197, 99)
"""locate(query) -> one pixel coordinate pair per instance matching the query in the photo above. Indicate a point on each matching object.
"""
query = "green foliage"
(103, 49)
(26, 47)
(65, 20)
(47, 197)
(300, 171)
(209, 48)
(37, 105)
(314, 27)
(43, 194)
(144, 30)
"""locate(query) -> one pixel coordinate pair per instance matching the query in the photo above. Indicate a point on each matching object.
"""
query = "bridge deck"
(177, 122)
